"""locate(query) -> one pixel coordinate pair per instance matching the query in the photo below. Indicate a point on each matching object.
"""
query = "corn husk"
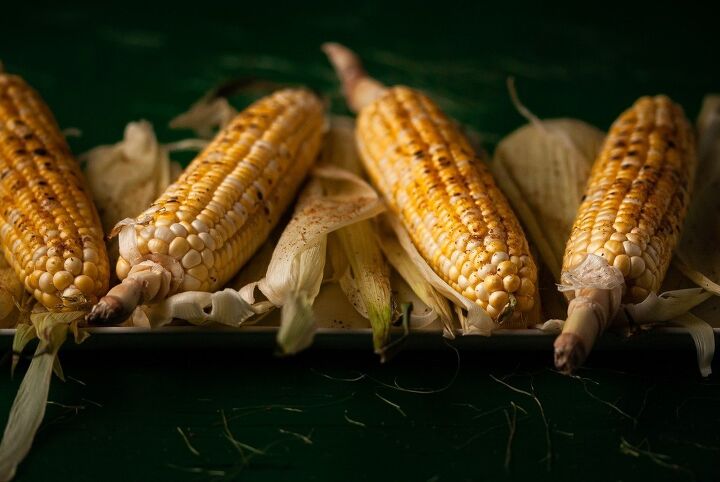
(698, 256)
(126, 177)
(367, 281)
(370, 276)
(542, 168)
(28, 408)
(205, 116)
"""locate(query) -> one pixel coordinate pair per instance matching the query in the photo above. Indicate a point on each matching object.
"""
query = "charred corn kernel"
(229, 198)
(48, 218)
(638, 193)
(432, 180)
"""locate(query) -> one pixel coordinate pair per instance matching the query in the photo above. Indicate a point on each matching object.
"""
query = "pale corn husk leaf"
(542, 168)
(28, 408)
(29, 405)
(370, 276)
(297, 321)
(367, 283)
(340, 148)
(404, 265)
(295, 272)
(331, 309)
(226, 307)
(698, 256)
(317, 215)
(473, 319)
(342, 275)
(667, 306)
(704, 339)
(339, 265)
(125, 178)
(24, 334)
(205, 116)
(675, 307)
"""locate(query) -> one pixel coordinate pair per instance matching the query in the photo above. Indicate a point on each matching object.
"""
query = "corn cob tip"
(570, 353)
(358, 88)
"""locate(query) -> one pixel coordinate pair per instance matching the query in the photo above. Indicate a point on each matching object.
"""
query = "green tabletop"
(240, 414)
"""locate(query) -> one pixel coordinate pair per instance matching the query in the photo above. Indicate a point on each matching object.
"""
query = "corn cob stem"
(588, 316)
(205, 226)
(359, 89)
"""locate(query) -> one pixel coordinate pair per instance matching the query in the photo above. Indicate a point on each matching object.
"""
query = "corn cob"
(205, 226)
(634, 206)
(445, 196)
(49, 228)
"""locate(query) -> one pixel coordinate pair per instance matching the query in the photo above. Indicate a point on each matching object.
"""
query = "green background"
(100, 67)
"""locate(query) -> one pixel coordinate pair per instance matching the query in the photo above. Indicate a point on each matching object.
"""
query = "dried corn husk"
(367, 281)
(698, 256)
(542, 168)
(128, 176)
(205, 116)
(28, 409)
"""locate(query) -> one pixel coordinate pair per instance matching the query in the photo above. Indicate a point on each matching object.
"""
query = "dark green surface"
(100, 67)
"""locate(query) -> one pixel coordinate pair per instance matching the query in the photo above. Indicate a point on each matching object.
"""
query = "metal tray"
(263, 337)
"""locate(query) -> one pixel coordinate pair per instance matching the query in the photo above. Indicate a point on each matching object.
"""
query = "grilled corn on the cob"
(445, 196)
(631, 215)
(205, 226)
(49, 228)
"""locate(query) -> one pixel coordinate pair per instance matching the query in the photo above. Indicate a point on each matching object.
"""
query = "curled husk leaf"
(28, 408)
(205, 116)
(317, 214)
